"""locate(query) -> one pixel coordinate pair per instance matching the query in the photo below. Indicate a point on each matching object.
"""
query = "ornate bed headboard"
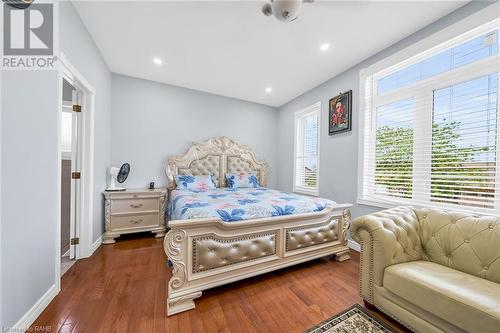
(216, 157)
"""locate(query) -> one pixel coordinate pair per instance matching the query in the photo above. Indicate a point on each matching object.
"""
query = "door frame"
(84, 215)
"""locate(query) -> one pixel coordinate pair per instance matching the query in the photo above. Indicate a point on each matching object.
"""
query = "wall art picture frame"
(340, 113)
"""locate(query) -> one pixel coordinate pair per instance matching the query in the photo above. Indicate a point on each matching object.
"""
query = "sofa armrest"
(388, 237)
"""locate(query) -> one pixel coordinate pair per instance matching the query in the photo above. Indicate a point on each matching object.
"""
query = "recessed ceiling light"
(324, 46)
(268, 89)
(157, 61)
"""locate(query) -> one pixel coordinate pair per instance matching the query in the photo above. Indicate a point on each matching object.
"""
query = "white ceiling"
(229, 48)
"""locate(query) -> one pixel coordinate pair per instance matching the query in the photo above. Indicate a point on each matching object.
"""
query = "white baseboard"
(29, 317)
(353, 245)
(95, 246)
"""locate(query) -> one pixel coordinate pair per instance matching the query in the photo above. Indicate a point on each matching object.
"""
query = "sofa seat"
(466, 301)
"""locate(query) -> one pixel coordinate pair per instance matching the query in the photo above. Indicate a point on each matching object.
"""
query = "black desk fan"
(118, 175)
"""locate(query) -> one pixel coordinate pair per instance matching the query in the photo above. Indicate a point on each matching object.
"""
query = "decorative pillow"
(241, 180)
(197, 183)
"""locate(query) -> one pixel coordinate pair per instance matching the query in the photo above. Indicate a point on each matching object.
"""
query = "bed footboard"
(206, 253)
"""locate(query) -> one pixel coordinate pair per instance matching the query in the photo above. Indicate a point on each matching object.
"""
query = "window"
(66, 131)
(394, 149)
(464, 135)
(307, 150)
(430, 128)
(478, 48)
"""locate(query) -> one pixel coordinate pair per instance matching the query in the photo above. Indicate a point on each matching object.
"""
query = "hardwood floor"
(123, 288)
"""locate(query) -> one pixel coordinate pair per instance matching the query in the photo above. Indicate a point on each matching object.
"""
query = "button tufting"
(485, 268)
(466, 241)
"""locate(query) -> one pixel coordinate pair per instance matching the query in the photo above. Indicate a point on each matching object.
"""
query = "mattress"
(242, 204)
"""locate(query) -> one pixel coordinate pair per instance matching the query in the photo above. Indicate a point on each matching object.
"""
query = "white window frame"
(369, 100)
(299, 115)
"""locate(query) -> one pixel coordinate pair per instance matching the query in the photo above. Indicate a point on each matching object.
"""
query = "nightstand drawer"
(134, 205)
(134, 221)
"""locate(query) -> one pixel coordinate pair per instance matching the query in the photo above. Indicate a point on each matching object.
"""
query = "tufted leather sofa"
(432, 270)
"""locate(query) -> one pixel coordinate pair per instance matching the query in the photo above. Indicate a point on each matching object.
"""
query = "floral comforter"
(241, 204)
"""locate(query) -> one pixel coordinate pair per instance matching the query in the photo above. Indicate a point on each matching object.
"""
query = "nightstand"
(134, 210)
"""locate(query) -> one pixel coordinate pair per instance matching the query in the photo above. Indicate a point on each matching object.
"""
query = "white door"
(75, 169)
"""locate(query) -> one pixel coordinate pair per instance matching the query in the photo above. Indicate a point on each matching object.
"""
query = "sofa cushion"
(464, 300)
(465, 242)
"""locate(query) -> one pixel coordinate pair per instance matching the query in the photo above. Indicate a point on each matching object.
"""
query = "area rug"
(356, 319)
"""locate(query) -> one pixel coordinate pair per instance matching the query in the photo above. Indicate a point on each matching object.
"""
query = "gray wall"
(82, 52)
(29, 189)
(151, 121)
(29, 144)
(339, 153)
(1, 202)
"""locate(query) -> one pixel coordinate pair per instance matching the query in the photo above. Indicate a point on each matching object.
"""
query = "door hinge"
(75, 175)
(75, 241)
(77, 108)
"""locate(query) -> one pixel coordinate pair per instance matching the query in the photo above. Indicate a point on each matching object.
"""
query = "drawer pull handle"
(135, 205)
(136, 221)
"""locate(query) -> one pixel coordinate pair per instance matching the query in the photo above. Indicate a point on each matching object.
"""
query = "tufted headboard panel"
(208, 165)
(216, 157)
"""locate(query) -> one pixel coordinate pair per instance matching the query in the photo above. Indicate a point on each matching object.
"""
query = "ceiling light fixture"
(284, 10)
(18, 4)
(268, 89)
(157, 61)
(324, 46)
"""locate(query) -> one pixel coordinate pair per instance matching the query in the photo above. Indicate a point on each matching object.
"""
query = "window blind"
(307, 150)
(431, 127)
(464, 139)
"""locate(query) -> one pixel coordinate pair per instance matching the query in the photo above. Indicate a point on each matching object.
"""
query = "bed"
(223, 235)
